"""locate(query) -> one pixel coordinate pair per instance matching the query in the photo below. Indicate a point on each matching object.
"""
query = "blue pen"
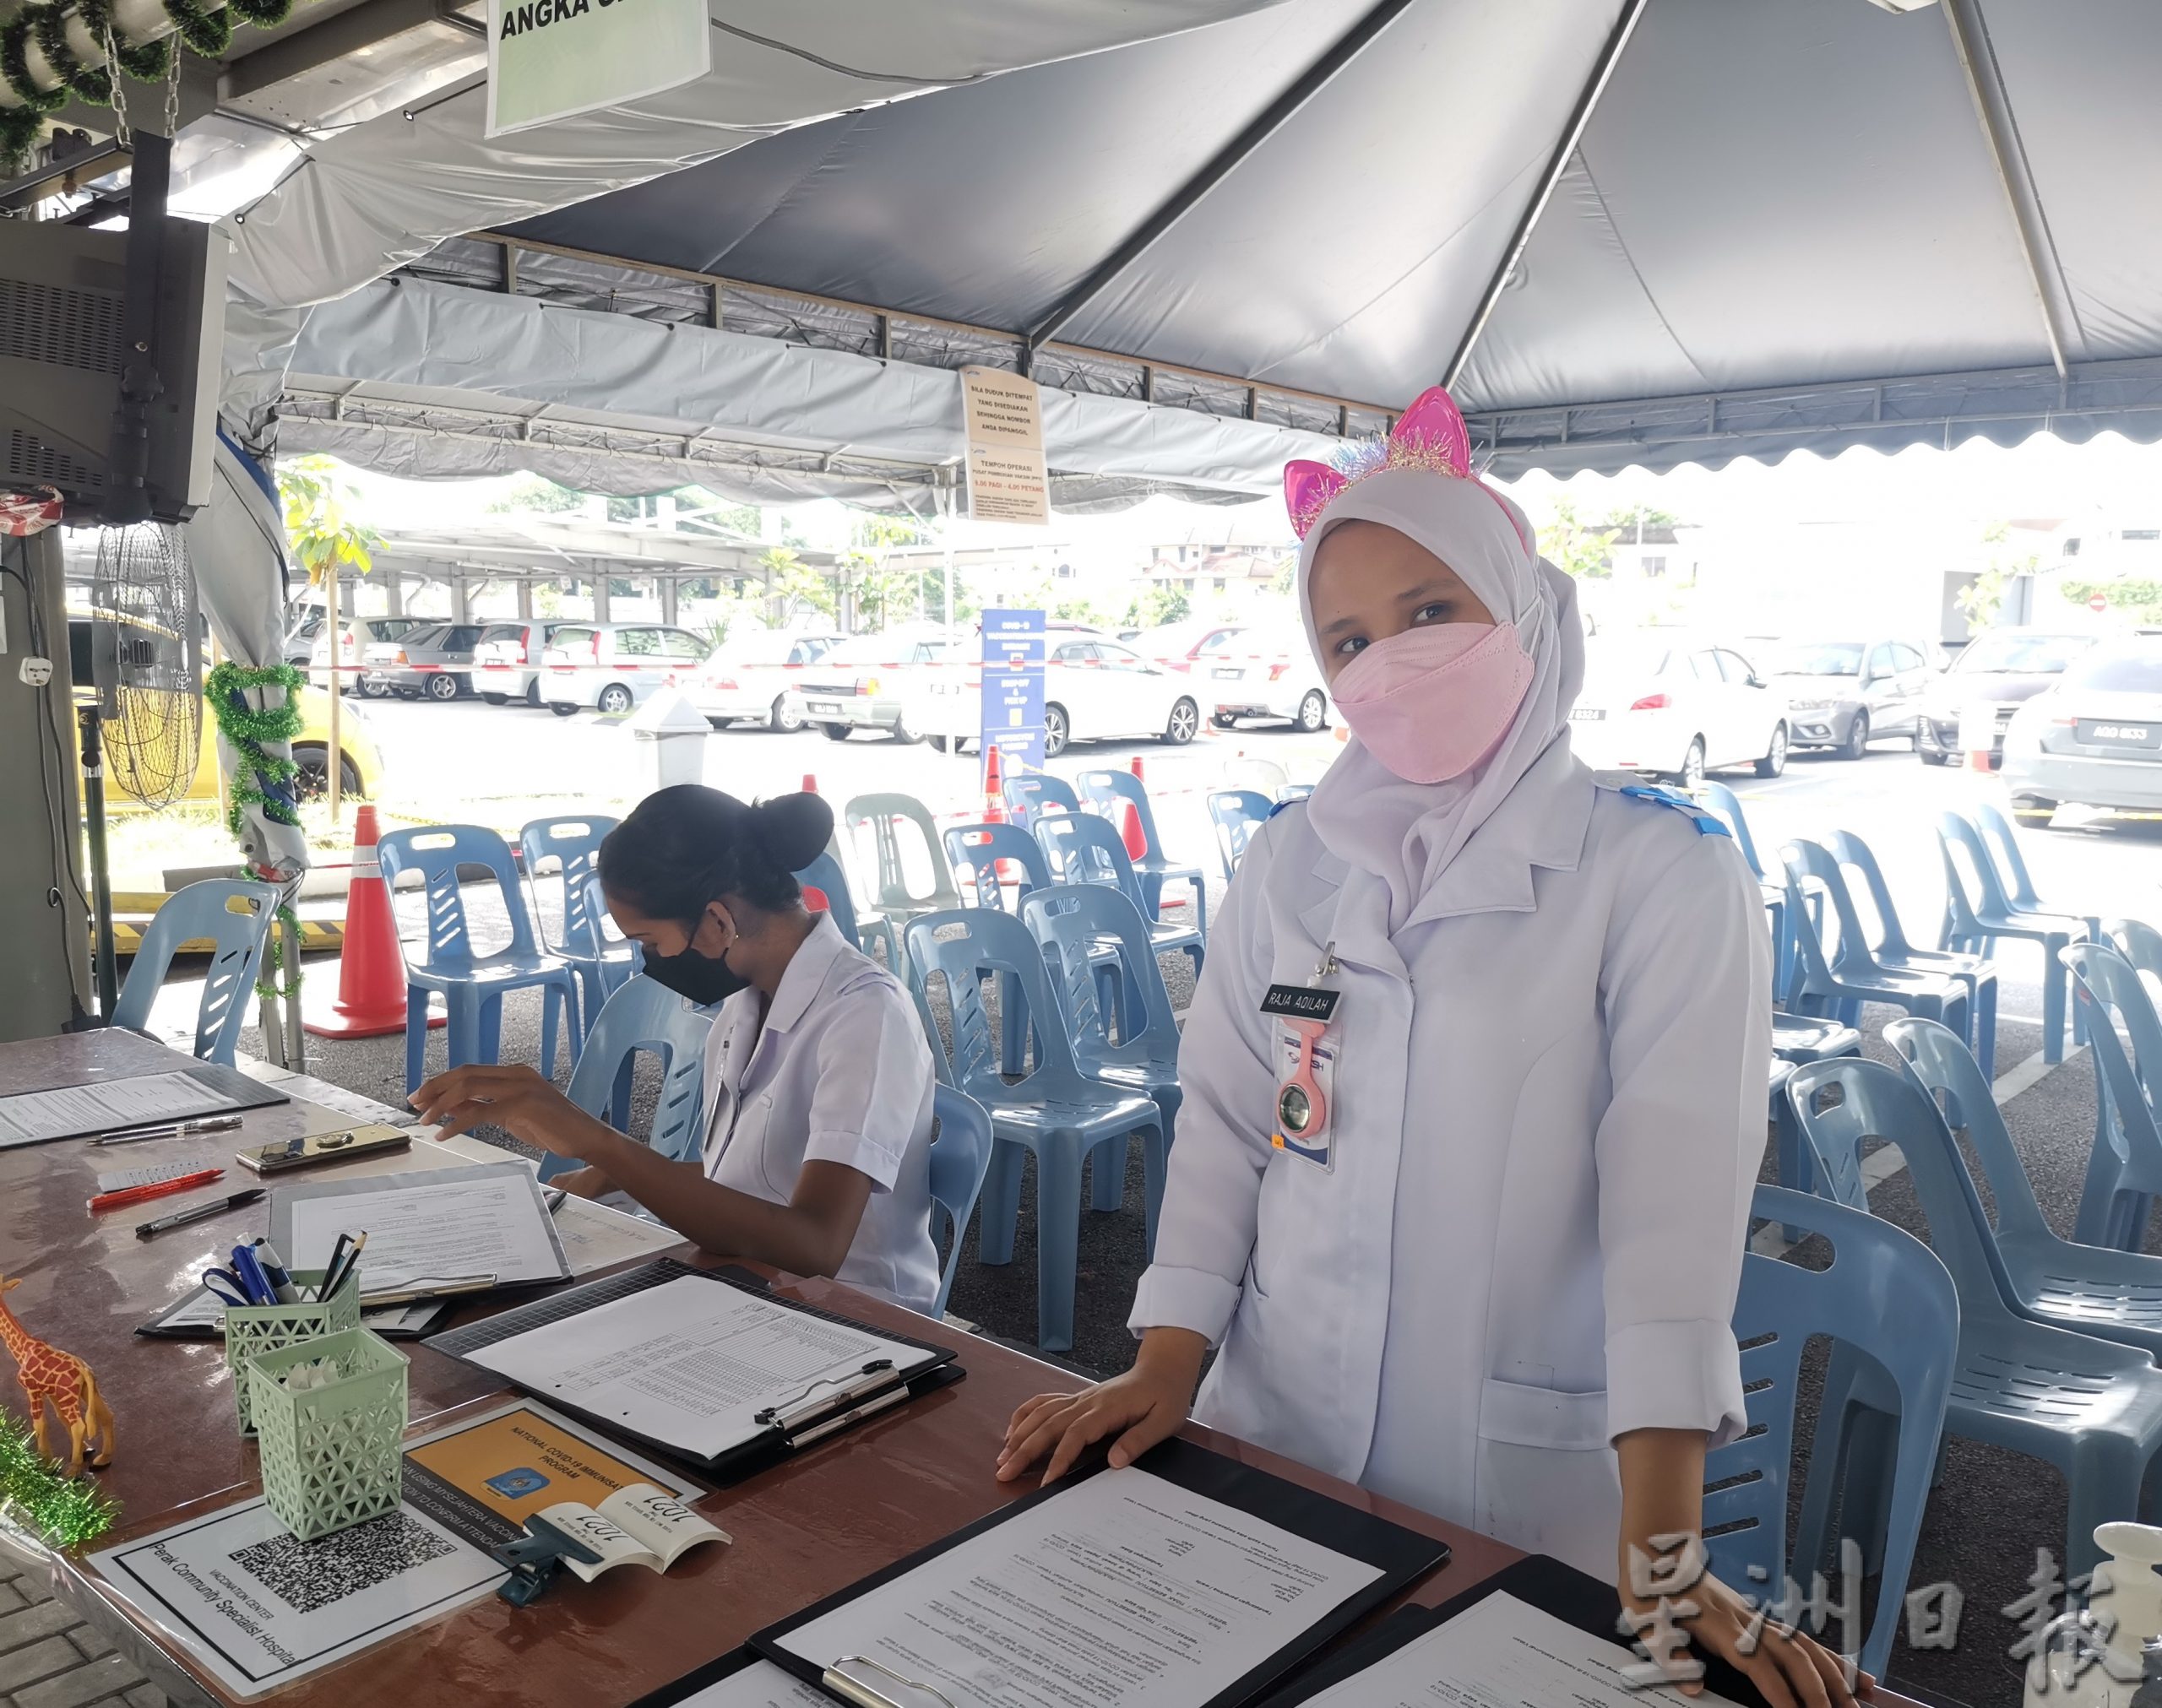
(273, 1271)
(253, 1281)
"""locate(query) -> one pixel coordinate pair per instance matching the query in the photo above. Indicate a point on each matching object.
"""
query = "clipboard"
(704, 1679)
(1575, 1598)
(1402, 1556)
(210, 1089)
(811, 1421)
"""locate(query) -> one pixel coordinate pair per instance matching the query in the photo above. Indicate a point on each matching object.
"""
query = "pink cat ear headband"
(1429, 434)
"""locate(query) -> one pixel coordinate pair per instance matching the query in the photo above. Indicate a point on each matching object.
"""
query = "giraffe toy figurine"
(49, 1375)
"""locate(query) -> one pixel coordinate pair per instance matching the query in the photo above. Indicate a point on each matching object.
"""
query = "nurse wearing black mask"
(818, 1075)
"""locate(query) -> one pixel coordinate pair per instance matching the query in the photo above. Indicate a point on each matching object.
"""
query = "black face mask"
(703, 979)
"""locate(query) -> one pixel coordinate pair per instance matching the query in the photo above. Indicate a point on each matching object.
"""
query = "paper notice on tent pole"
(551, 59)
(1006, 478)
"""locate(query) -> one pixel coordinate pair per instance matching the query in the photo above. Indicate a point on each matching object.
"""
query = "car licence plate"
(822, 708)
(1587, 714)
(1228, 673)
(2095, 733)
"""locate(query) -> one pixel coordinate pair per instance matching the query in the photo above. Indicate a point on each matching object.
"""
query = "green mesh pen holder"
(332, 1456)
(251, 1329)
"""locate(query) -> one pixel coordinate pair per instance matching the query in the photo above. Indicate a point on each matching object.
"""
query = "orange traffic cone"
(810, 783)
(994, 786)
(370, 973)
(1130, 830)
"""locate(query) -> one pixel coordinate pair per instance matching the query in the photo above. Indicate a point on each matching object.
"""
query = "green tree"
(1161, 603)
(322, 527)
(1981, 601)
(1575, 546)
(535, 492)
(796, 587)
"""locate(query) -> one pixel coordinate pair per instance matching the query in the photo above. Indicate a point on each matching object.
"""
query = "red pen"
(156, 1189)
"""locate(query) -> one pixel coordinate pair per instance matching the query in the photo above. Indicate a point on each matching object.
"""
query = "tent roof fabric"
(1787, 224)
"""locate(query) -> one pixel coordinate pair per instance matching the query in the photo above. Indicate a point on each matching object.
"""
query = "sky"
(1962, 490)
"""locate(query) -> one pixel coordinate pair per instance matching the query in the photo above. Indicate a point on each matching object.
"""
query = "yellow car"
(361, 775)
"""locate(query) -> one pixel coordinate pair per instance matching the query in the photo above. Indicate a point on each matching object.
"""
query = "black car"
(2004, 667)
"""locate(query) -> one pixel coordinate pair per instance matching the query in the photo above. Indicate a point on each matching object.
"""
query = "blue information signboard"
(1013, 690)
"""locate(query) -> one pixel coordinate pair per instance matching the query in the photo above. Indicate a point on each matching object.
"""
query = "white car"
(1264, 673)
(756, 675)
(613, 666)
(1094, 690)
(1675, 706)
(507, 665)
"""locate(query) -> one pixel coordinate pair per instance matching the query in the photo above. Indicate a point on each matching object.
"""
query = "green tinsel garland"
(146, 62)
(65, 1513)
(19, 130)
(251, 732)
(208, 33)
(14, 66)
(49, 25)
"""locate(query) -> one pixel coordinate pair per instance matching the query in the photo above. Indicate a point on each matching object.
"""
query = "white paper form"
(1124, 1591)
(1503, 1653)
(31, 1116)
(761, 1684)
(691, 1362)
(438, 1225)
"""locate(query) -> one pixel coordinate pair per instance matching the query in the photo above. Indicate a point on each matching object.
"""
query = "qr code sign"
(307, 1575)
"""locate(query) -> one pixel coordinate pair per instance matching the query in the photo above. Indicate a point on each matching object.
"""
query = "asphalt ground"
(1992, 1508)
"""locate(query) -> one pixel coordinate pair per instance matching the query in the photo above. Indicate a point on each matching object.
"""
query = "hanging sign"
(550, 59)
(1012, 691)
(1006, 478)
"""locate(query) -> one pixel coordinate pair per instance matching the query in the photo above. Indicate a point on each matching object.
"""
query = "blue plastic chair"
(883, 816)
(960, 1157)
(2117, 1295)
(1104, 792)
(643, 1015)
(1880, 1284)
(1975, 919)
(471, 985)
(974, 851)
(1075, 924)
(235, 916)
(1027, 792)
(1892, 950)
(1056, 1112)
(1726, 806)
(2124, 1171)
(2089, 1407)
(1237, 814)
(865, 930)
(1082, 848)
(1800, 1037)
(601, 963)
(1835, 984)
(2003, 842)
(2139, 943)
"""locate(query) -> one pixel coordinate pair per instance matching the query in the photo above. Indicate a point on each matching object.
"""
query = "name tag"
(1301, 1002)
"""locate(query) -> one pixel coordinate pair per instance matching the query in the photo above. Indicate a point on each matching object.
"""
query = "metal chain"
(121, 130)
(173, 95)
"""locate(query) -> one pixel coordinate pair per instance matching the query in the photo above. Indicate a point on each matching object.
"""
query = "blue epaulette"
(1707, 823)
(1295, 800)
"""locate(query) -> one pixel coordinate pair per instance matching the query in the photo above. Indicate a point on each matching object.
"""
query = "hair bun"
(793, 829)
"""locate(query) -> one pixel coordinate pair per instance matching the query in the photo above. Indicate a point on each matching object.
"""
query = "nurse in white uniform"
(1475, 1242)
(818, 1075)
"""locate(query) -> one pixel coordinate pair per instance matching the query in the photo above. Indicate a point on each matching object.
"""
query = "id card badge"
(1307, 1071)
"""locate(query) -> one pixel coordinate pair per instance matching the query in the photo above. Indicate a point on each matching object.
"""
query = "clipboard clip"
(535, 1560)
(802, 1411)
(841, 1680)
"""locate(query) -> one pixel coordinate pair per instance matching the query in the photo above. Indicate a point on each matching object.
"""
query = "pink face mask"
(1431, 702)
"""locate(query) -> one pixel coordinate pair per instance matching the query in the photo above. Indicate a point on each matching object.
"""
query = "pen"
(200, 1212)
(156, 1189)
(254, 1282)
(273, 1271)
(335, 1277)
(170, 1130)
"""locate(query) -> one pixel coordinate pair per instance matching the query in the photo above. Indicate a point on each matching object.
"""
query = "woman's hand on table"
(515, 1098)
(1144, 1406)
(1789, 1669)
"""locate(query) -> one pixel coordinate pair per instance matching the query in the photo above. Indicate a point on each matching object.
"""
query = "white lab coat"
(1549, 1110)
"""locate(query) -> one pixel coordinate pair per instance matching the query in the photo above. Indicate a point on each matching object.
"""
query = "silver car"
(612, 667)
(437, 661)
(1844, 693)
(2094, 739)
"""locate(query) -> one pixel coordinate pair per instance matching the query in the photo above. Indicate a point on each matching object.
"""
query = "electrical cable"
(56, 834)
